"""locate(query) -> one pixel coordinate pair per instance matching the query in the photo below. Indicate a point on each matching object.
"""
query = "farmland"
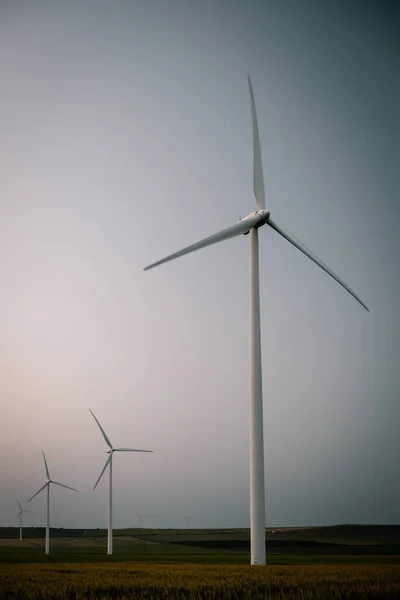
(327, 562)
(320, 544)
(173, 582)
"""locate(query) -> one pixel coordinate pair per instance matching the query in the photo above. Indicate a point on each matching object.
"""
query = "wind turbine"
(110, 451)
(140, 520)
(47, 485)
(250, 225)
(21, 510)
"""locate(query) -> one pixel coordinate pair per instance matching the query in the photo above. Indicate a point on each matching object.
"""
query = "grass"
(175, 582)
(229, 546)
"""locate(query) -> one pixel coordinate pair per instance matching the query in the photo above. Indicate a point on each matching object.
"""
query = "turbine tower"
(250, 225)
(47, 485)
(21, 510)
(110, 451)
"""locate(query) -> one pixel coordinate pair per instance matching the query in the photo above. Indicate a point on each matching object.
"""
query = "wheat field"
(125, 581)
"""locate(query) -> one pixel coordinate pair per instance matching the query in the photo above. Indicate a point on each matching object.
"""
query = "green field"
(347, 542)
(320, 562)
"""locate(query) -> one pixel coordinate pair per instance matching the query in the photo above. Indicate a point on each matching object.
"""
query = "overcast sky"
(126, 135)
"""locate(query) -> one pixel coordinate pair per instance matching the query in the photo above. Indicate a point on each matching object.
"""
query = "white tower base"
(257, 489)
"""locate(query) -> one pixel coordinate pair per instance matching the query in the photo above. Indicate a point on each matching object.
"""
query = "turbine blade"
(109, 444)
(104, 468)
(20, 507)
(16, 516)
(300, 246)
(46, 467)
(258, 178)
(130, 450)
(63, 485)
(239, 228)
(38, 492)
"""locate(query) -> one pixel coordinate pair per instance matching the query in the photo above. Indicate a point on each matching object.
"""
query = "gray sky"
(126, 135)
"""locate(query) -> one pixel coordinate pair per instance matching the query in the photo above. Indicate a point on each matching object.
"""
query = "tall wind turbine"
(47, 485)
(250, 225)
(21, 511)
(110, 451)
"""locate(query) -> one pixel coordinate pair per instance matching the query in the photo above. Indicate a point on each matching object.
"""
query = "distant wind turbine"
(21, 511)
(250, 225)
(186, 520)
(110, 450)
(47, 485)
(140, 520)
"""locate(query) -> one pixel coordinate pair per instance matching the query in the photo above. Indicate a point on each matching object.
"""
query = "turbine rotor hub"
(264, 216)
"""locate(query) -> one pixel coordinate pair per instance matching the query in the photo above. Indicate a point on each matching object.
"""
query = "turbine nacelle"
(262, 215)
